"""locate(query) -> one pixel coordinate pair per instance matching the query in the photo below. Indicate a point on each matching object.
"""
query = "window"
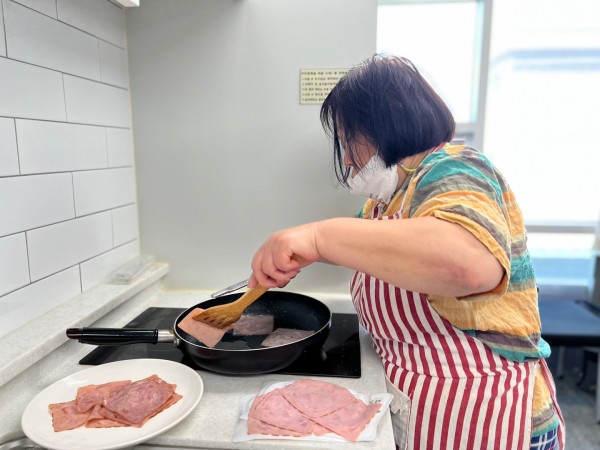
(543, 106)
(419, 32)
(523, 81)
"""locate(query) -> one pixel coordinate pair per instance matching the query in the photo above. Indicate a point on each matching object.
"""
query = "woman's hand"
(282, 255)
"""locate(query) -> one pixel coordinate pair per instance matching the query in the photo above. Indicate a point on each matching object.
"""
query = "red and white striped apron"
(451, 392)
(461, 394)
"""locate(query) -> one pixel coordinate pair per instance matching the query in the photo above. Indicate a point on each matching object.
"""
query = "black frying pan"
(235, 355)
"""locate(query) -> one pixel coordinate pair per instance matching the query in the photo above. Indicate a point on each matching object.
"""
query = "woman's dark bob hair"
(387, 101)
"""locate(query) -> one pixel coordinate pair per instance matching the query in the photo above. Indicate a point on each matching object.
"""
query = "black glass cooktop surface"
(339, 357)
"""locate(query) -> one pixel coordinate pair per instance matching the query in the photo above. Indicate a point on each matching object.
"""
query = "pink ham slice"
(115, 404)
(114, 417)
(254, 324)
(97, 394)
(65, 416)
(170, 402)
(317, 398)
(104, 418)
(350, 420)
(209, 336)
(282, 336)
(257, 426)
(140, 399)
(275, 410)
(104, 423)
(309, 407)
(98, 420)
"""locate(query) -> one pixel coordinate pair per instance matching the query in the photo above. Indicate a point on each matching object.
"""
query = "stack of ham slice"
(115, 404)
(310, 407)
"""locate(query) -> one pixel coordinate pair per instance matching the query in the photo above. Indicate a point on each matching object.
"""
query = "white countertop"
(211, 424)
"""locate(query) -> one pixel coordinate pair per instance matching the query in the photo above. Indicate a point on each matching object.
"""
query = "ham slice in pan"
(254, 324)
(309, 407)
(282, 336)
(209, 336)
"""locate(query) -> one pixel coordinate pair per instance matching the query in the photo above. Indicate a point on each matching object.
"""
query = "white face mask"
(375, 181)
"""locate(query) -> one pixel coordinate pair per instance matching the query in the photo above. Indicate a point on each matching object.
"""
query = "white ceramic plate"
(37, 421)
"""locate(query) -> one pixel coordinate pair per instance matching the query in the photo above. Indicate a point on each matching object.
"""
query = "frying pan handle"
(119, 336)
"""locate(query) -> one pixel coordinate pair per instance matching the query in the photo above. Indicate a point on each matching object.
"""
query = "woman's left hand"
(282, 255)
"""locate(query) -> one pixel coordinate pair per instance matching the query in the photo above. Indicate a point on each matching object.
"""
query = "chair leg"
(560, 363)
(598, 388)
(588, 354)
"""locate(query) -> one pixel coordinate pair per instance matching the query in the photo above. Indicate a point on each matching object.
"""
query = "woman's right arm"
(425, 254)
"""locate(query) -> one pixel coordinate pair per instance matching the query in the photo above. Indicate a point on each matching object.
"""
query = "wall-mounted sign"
(315, 84)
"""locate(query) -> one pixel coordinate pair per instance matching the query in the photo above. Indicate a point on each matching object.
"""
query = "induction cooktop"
(339, 356)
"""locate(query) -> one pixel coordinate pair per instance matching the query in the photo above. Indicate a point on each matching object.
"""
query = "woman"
(443, 282)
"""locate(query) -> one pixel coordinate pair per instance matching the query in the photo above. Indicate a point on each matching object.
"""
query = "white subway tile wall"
(99, 18)
(35, 299)
(60, 147)
(67, 181)
(62, 245)
(119, 142)
(44, 41)
(31, 91)
(14, 268)
(98, 190)
(29, 202)
(97, 269)
(125, 224)
(47, 7)
(113, 65)
(111, 103)
(9, 162)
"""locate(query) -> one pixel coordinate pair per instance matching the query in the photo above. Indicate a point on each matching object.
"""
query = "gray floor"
(578, 404)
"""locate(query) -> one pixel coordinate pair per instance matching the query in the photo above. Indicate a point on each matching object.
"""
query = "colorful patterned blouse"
(460, 185)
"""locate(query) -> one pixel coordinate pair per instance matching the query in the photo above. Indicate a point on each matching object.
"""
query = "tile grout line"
(17, 144)
(4, 29)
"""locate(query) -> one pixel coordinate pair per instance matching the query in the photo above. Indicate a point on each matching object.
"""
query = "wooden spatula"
(222, 315)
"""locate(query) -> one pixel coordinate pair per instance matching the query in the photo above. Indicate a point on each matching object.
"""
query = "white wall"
(225, 154)
(68, 214)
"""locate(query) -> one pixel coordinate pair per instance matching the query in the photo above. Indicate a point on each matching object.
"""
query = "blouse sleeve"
(465, 190)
